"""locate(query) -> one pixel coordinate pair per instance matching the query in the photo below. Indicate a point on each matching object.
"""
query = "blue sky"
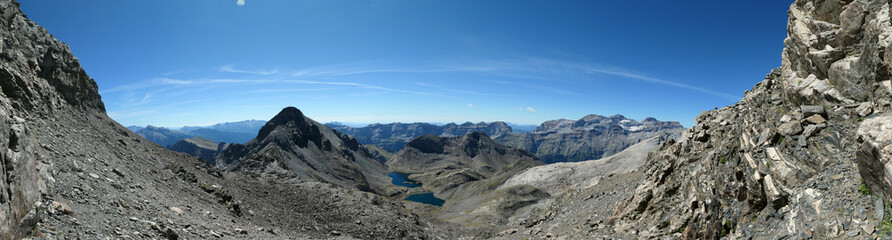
(199, 62)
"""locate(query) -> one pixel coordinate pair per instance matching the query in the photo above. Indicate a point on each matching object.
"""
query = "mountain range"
(229, 132)
(562, 140)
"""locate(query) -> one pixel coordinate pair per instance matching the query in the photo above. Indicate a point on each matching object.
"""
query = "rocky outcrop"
(875, 154)
(782, 161)
(292, 143)
(202, 148)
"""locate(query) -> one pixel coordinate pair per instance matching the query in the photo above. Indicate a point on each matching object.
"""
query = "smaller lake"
(402, 179)
(426, 198)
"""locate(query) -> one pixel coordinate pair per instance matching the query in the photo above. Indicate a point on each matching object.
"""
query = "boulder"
(873, 157)
(864, 109)
(815, 119)
(809, 110)
(790, 128)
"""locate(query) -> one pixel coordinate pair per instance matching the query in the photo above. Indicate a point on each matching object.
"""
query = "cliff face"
(782, 161)
(39, 78)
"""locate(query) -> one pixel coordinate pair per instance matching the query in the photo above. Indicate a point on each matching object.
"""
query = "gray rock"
(879, 211)
(790, 128)
(853, 233)
(815, 119)
(864, 109)
(786, 118)
(809, 110)
(868, 229)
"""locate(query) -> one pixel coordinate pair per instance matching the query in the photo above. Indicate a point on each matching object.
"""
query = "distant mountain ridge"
(562, 140)
(394, 136)
(229, 132)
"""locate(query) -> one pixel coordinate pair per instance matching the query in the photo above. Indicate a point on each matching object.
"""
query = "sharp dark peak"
(287, 115)
(476, 135)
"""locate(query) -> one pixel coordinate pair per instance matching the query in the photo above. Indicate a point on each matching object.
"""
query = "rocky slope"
(465, 171)
(591, 137)
(294, 144)
(203, 148)
(558, 178)
(70, 172)
(784, 162)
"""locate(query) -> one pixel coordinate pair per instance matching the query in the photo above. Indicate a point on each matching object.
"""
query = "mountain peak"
(288, 116)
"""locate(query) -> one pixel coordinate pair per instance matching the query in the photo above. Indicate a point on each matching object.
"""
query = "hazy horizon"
(197, 63)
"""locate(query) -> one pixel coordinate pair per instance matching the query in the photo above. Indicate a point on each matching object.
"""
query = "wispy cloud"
(528, 109)
(240, 2)
(287, 90)
(663, 82)
(532, 68)
(230, 69)
(454, 90)
(470, 105)
(544, 89)
(362, 85)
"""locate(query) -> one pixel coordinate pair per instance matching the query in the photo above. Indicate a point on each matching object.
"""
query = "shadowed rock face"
(199, 147)
(293, 143)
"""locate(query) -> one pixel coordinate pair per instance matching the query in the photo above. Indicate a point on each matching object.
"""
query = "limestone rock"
(864, 109)
(815, 119)
(790, 128)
